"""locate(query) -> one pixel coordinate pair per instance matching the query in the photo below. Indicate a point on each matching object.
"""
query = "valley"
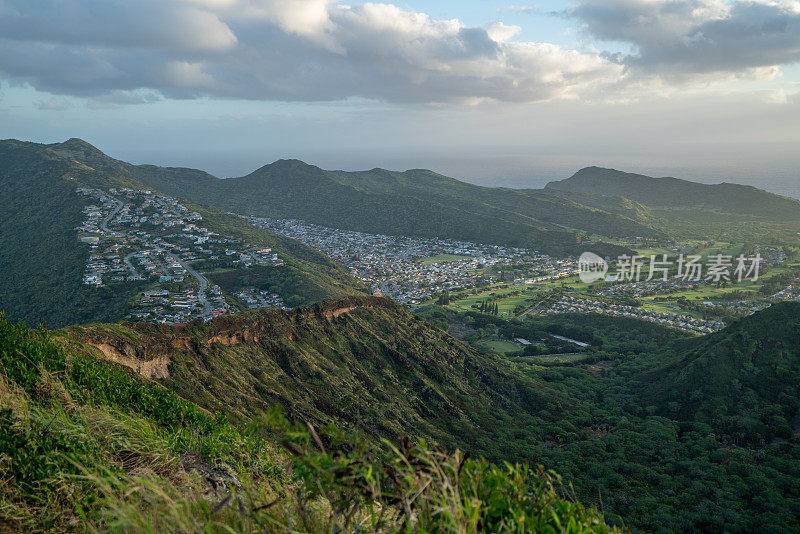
(636, 403)
(322, 267)
(207, 323)
(412, 270)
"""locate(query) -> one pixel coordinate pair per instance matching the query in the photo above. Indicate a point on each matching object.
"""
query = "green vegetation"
(71, 421)
(511, 300)
(662, 430)
(672, 192)
(760, 368)
(688, 210)
(554, 359)
(602, 203)
(86, 445)
(667, 431)
(499, 346)
(375, 367)
(685, 430)
(413, 203)
(42, 261)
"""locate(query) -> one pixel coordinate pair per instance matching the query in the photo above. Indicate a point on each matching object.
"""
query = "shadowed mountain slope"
(360, 361)
(742, 380)
(42, 260)
(669, 192)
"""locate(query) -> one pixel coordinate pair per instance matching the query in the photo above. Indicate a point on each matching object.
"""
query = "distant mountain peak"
(284, 165)
(594, 172)
(596, 168)
(75, 143)
(290, 161)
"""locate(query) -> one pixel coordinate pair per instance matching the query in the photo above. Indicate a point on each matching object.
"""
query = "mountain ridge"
(752, 357)
(636, 432)
(668, 190)
(564, 218)
(40, 210)
(88, 444)
(417, 203)
(337, 361)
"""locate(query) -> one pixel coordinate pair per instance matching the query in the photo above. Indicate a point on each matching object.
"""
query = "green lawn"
(647, 252)
(498, 346)
(505, 299)
(552, 360)
(573, 283)
(668, 307)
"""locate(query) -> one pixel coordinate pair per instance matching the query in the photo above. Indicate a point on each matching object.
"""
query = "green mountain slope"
(674, 192)
(361, 361)
(683, 209)
(630, 435)
(42, 260)
(742, 380)
(416, 202)
(88, 445)
(637, 441)
(594, 201)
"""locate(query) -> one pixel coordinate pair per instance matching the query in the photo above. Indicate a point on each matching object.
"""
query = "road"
(129, 265)
(201, 280)
(104, 224)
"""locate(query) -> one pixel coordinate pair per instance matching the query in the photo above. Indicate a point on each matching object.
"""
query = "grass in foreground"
(89, 446)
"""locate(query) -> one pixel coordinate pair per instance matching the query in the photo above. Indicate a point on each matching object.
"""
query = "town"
(569, 304)
(411, 270)
(137, 236)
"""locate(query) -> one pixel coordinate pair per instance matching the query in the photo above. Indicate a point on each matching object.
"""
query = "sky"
(497, 93)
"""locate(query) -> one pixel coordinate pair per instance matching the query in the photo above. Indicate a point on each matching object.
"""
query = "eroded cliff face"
(148, 355)
(361, 362)
(157, 367)
(148, 349)
(253, 327)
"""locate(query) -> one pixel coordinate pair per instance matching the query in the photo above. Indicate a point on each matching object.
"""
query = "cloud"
(157, 24)
(119, 98)
(501, 33)
(522, 10)
(689, 39)
(53, 104)
(291, 50)
(115, 51)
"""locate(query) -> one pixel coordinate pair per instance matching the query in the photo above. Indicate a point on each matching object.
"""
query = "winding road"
(129, 265)
(110, 217)
(201, 280)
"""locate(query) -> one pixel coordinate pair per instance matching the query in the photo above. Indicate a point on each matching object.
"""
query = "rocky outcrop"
(242, 328)
(145, 350)
(331, 309)
(151, 355)
(157, 367)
